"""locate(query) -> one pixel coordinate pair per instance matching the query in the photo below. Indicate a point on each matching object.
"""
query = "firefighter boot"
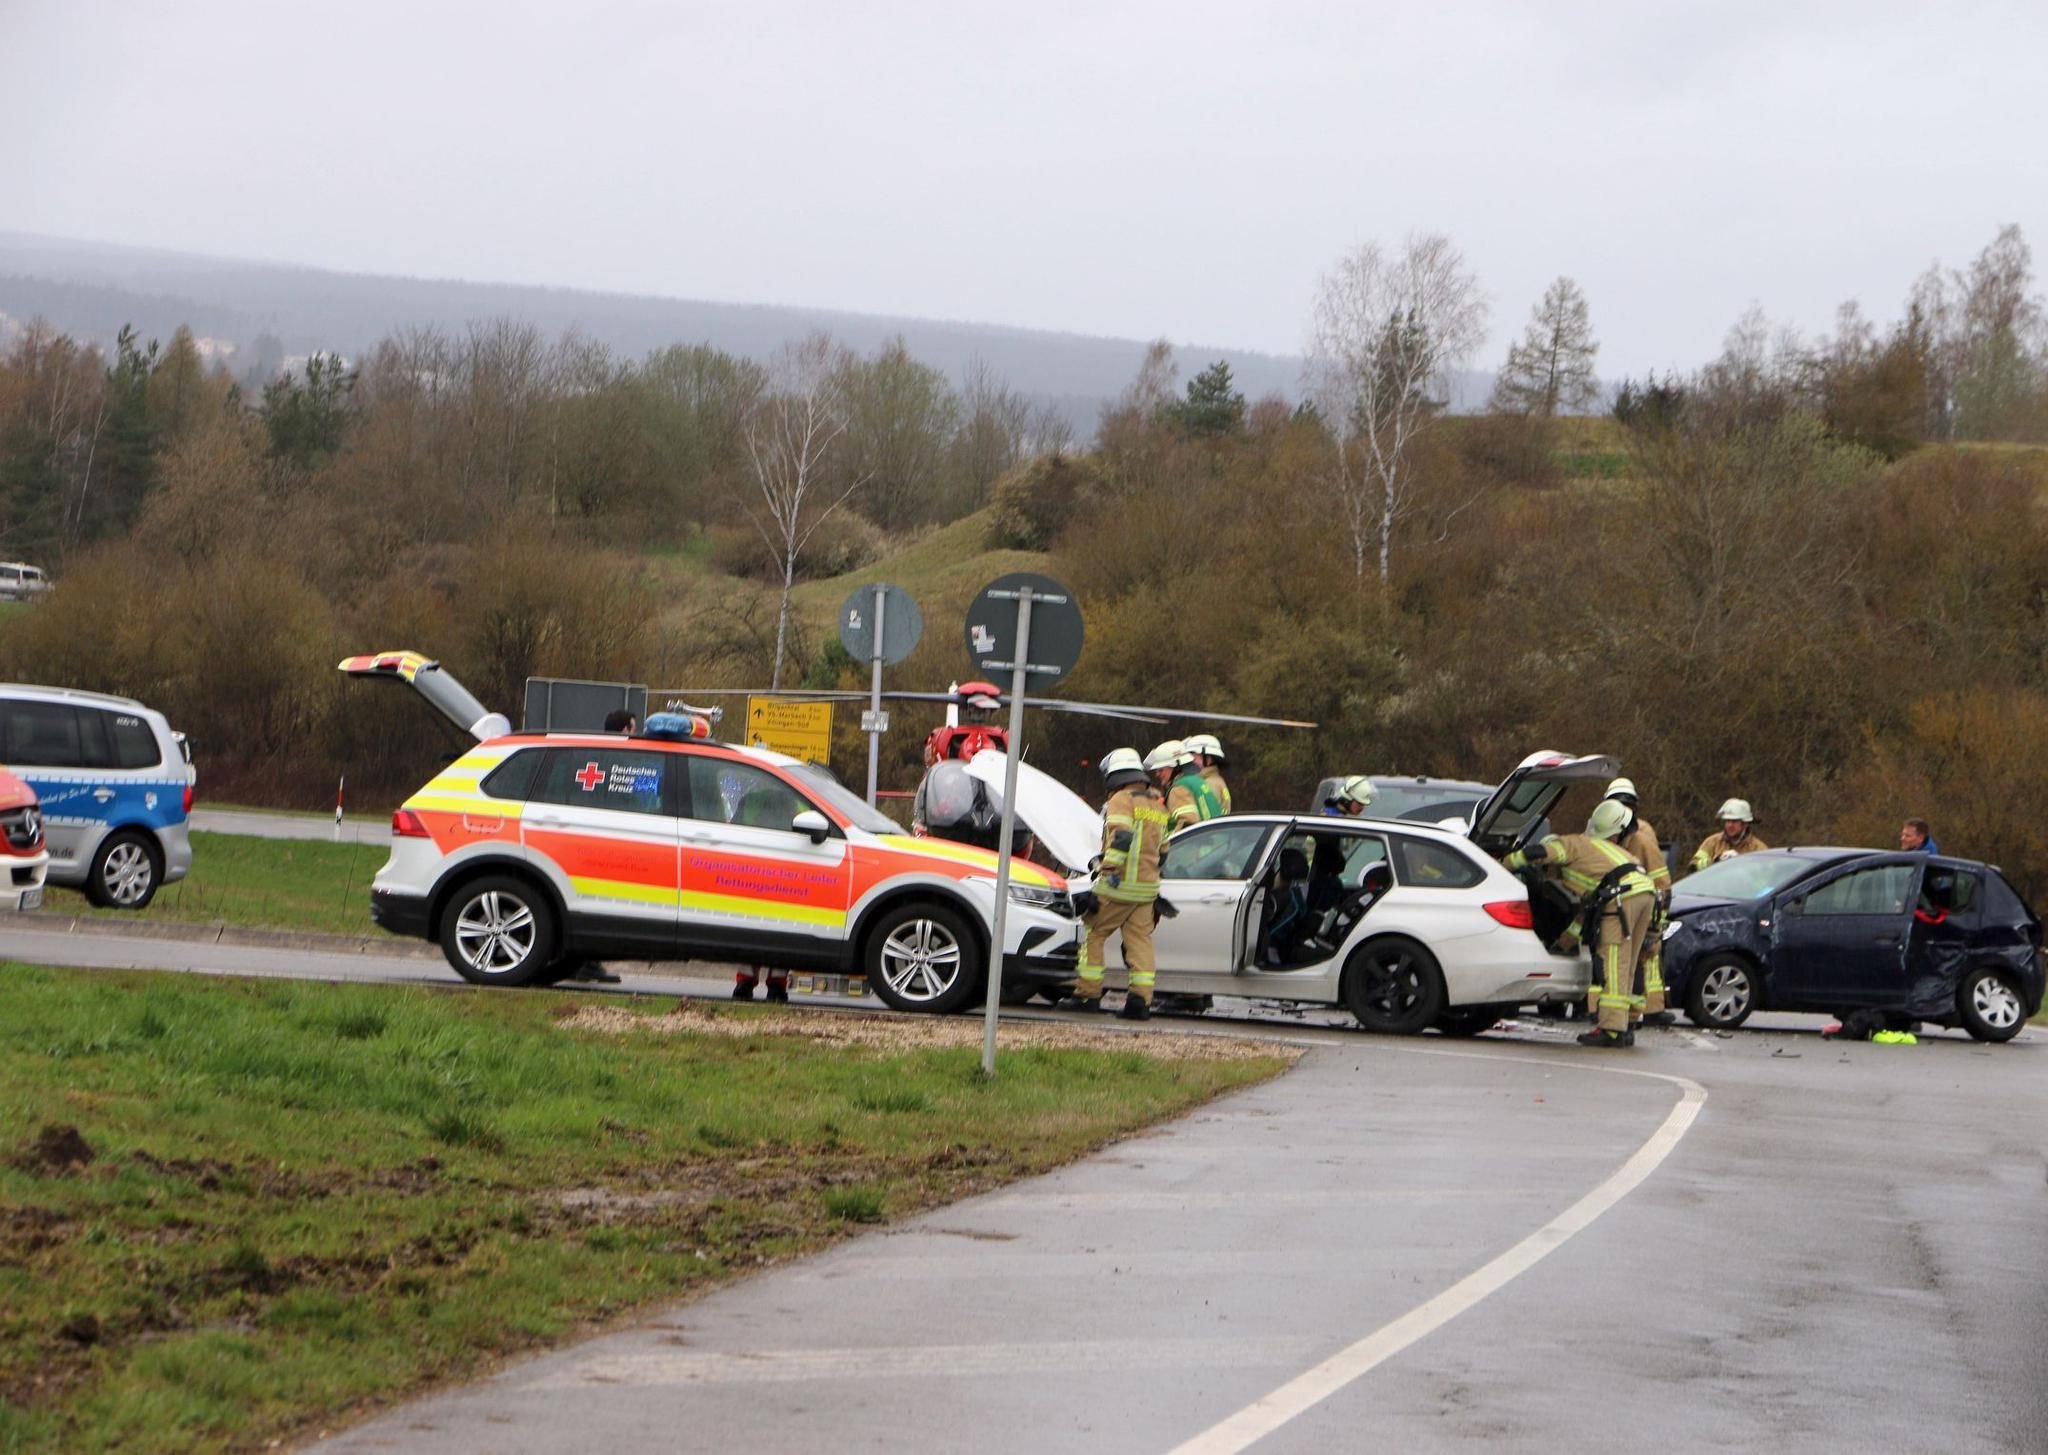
(1136, 1008)
(1608, 1040)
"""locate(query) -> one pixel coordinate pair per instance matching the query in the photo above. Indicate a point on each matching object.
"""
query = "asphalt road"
(289, 826)
(1762, 1241)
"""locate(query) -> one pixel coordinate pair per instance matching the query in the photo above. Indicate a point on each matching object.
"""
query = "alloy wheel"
(127, 874)
(495, 932)
(920, 959)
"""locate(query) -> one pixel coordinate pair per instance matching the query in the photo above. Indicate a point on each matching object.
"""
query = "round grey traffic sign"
(902, 624)
(1055, 644)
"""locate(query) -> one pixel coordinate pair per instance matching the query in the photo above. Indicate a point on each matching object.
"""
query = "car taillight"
(405, 824)
(188, 798)
(1514, 913)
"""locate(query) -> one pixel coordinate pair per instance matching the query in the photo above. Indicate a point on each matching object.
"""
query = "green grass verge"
(304, 1200)
(251, 883)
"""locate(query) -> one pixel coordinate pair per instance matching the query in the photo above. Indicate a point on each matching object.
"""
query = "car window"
(95, 749)
(1953, 892)
(1881, 890)
(723, 791)
(134, 744)
(513, 778)
(1334, 853)
(1217, 850)
(628, 780)
(41, 735)
(1424, 864)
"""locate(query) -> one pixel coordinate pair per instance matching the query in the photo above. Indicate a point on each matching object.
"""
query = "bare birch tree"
(1387, 329)
(791, 435)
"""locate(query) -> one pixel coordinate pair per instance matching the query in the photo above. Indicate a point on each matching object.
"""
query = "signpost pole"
(875, 693)
(1018, 671)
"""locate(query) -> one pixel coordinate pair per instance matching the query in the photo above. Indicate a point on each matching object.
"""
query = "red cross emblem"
(590, 775)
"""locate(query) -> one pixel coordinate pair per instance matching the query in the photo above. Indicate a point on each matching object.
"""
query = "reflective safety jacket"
(1213, 776)
(1580, 862)
(1190, 800)
(1134, 828)
(1640, 844)
(1716, 848)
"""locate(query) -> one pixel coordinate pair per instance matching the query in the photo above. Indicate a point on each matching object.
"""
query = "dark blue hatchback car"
(1914, 937)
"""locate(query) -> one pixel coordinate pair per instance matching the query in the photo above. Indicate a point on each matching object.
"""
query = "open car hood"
(1060, 817)
(1524, 799)
(442, 692)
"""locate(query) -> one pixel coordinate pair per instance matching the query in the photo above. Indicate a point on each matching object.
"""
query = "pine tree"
(1550, 372)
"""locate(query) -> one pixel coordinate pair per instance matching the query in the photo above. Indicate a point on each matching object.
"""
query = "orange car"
(24, 856)
(533, 852)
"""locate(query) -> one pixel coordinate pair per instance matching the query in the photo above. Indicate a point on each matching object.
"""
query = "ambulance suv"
(533, 852)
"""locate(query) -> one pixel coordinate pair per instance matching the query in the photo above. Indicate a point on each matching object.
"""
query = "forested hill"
(91, 290)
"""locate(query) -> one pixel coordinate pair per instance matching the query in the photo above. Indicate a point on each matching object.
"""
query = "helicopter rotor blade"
(1165, 712)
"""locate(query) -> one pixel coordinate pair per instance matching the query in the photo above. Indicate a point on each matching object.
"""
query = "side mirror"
(1378, 878)
(811, 822)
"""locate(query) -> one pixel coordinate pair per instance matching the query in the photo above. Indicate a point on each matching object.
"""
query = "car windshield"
(1747, 876)
(849, 805)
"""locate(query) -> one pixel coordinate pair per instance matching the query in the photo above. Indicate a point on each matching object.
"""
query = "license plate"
(32, 898)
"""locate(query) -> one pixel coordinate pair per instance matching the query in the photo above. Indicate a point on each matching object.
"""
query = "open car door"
(442, 692)
(1507, 819)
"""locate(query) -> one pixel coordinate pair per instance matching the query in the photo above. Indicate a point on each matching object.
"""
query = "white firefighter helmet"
(1121, 765)
(1736, 808)
(1609, 818)
(1169, 754)
(1355, 789)
(1622, 788)
(1205, 744)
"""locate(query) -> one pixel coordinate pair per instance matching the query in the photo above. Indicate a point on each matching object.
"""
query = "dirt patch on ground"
(918, 1033)
(55, 1149)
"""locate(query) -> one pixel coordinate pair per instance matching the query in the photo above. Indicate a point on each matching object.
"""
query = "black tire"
(922, 956)
(126, 870)
(1394, 986)
(1989, 1006)
(498, 930)
(1722, 991)
(1468, 1020)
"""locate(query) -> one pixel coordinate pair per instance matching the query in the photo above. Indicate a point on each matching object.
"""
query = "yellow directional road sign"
(800, 729)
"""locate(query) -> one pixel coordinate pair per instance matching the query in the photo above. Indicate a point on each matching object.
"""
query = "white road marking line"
(1306, 1390)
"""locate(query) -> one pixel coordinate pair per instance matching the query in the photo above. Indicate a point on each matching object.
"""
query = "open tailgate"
(1525, 798)
(443, 693)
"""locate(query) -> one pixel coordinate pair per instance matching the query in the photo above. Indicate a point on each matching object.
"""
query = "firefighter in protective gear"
(1189, 798)
(1735, 836)
(1639, 839)
(1134, 828)
(1618, 903)
(1209, 756)
(1351, 797)
(1167, 765)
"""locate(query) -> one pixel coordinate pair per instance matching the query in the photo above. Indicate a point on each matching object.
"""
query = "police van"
(115, 785)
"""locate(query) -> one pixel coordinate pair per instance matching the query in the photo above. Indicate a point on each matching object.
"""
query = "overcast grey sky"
(1179, 169)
